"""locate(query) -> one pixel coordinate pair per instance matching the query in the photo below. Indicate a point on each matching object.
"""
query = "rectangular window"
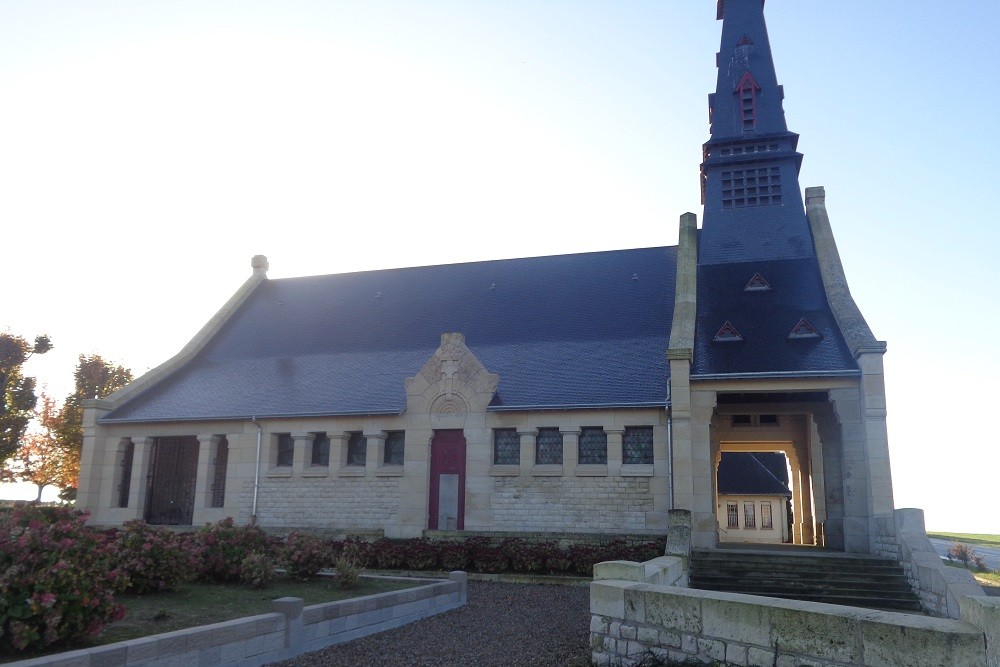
(733, 515)
(219, 473)
(357, 449)
(286, 450)
(506, 447)
(766, 522)
(548, 446)
(593, 445)
(637, 445)
(749, 515)
(321, 450)
(394, 443)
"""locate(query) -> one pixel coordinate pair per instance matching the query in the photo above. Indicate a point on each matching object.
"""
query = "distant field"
(969, 538)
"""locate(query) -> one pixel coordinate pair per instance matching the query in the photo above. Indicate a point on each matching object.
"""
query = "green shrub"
(348, 572)
(420, 554)
(304, 555)
(56, 579)
(151, 559)
(387, 554)
(223, 546)
(257, 570)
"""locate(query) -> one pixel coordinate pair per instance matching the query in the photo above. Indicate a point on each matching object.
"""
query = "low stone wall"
(632, 622)
(940, 587)
(984, 613)
(292, 629)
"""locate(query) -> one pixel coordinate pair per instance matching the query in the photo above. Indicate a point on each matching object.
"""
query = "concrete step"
(821, 577)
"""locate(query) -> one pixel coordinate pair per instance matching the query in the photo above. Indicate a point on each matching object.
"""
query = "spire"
(750, 187)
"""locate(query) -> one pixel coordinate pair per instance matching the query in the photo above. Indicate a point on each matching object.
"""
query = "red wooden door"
(447, 487)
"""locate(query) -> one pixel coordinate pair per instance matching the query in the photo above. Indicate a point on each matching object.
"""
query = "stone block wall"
(632, 622)
(560, 504)
(289, 631)
(341, 503)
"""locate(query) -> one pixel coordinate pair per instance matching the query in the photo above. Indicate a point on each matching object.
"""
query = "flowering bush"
(224, 545)
(387, 554)
(56, 578)
(151, 559)
(304, 555)
(257, 570)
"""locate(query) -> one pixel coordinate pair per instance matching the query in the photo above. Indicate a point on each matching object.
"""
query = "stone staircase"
(819, 576)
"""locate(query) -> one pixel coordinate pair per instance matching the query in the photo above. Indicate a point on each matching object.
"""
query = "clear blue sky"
(149, 148)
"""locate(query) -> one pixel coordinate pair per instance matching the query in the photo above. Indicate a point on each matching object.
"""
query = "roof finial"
(259, 265)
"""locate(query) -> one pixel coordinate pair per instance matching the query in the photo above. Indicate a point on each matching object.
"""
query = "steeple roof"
(755, 225)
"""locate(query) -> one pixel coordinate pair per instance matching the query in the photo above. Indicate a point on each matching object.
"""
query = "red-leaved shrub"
(224, 545)
(151, 559)
(304, 555)
(56, 578)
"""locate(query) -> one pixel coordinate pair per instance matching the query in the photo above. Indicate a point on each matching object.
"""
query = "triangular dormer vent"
(727, 334)
(803, 330)
(745, 41)
(757, 284)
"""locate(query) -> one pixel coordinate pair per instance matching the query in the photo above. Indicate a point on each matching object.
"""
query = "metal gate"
(171, 481)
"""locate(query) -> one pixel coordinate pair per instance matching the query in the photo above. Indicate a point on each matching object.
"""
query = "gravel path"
(502, 625)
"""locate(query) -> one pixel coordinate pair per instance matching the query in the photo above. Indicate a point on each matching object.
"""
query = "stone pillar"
(876, 436)
(142, 460)
(704, 522)
(374, 448)
(833, 478)
(571, 450)
(614, 451)
(338, 449)
(527, 437)
(854, 462)
(301, 451)
(94, 473)
(817, 477)
(207, 446)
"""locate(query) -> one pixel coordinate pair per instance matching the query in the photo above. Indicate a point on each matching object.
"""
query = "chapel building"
(582, 393)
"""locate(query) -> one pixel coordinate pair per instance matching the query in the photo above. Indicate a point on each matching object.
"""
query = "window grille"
(219, 473)
(321, 450)
(749, 515)
(286, 450)
(593, 445)
(733, 515)
(125, 486)
(394, 446)
(751, 187)
(506, 446)
(548, 446)
(637, 445)
(357, 447)
(766, 522)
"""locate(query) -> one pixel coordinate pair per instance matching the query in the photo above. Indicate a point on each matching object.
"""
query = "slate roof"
(745, 474)
(764, 319)
(582, 330)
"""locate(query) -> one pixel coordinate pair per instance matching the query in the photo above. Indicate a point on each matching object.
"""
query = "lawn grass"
(981, 539)
(193, 604)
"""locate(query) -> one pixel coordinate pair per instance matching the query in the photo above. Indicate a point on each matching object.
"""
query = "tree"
(42, 459)
(17, 392)
(94, 378)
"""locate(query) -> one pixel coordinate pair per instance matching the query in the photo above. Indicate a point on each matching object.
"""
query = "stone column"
(375, 447)
(301, 451)
(207, 446)
(833, 477)
(142, 460)
(876, 436)
(94, 474)
(704, 522)
(817, 477)
(338, 449)
(527, 437)
(571, 450)
(854, 463)
(614, 451)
